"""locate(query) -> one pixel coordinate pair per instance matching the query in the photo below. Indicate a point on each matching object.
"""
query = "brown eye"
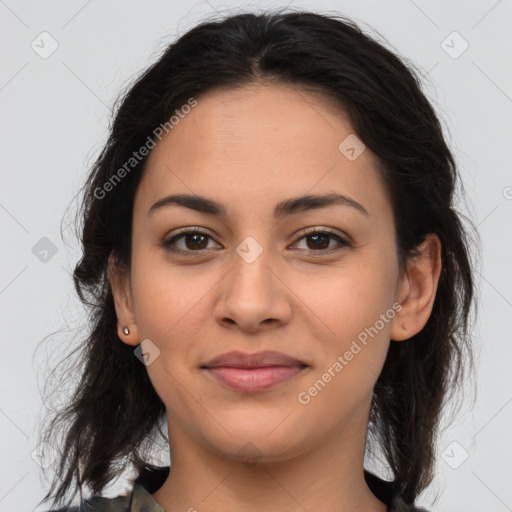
(188, 241)
(320, 241)
(195, 241)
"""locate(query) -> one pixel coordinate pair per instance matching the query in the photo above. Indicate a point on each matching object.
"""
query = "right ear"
(119, 279)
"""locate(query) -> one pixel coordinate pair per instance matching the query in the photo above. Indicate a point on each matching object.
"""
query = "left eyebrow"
(282, 209)
(311, 202)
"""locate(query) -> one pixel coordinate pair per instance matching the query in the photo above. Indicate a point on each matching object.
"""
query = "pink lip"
(242, 371)
(237, 359)
(255, 379)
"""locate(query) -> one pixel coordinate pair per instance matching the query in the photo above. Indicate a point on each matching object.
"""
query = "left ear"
(119, 279)
(417, 290)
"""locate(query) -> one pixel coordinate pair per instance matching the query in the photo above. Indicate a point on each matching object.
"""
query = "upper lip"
(237, 359)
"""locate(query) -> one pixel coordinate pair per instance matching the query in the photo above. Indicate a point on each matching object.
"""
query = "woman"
(275, 269)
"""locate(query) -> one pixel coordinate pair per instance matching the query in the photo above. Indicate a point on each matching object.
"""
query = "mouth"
(245, 372)
(255, 379)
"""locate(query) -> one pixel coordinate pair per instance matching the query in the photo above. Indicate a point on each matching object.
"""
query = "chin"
(260, 441)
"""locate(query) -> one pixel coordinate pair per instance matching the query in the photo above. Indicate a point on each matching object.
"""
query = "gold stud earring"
(127, 331)
(403, 326)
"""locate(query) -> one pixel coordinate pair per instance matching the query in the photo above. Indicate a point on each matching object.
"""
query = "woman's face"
(255, 279)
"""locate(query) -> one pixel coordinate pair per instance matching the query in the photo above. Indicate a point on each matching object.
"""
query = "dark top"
(149, 481)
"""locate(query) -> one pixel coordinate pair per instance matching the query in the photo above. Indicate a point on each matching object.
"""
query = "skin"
(249, 149)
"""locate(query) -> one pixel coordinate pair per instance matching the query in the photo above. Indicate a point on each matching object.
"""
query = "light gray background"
(55, 115)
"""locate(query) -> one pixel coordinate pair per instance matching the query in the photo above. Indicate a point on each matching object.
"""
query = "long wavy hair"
(114, 408)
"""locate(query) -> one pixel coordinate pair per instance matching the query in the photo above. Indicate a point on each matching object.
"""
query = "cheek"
(172, 309)
(350, 298)
(353, 309)
(167, 298)
(167, 303)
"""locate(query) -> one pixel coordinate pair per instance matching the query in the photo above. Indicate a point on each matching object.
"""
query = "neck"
(329, 476)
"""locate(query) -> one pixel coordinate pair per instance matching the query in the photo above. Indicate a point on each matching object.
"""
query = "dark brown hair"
(115, 407)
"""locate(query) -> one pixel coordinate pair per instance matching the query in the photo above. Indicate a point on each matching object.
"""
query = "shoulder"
(100, 504)
(139, 498)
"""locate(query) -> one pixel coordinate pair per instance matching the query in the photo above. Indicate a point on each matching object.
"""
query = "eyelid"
(344, 240)
(322, 229)
(166, 243)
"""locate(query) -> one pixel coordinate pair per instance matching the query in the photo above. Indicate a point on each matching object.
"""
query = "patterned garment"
(149, 481)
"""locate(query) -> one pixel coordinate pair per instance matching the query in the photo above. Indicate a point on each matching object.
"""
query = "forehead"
(257, 145)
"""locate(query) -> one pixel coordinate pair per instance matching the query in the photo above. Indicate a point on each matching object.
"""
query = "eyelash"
(307, 232)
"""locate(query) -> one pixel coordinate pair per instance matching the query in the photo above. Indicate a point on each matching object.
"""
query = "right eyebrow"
(282, 209)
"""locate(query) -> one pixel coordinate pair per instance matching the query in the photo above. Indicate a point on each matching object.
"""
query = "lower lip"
(255, 379)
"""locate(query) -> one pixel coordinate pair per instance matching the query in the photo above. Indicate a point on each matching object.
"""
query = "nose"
(253, 296)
